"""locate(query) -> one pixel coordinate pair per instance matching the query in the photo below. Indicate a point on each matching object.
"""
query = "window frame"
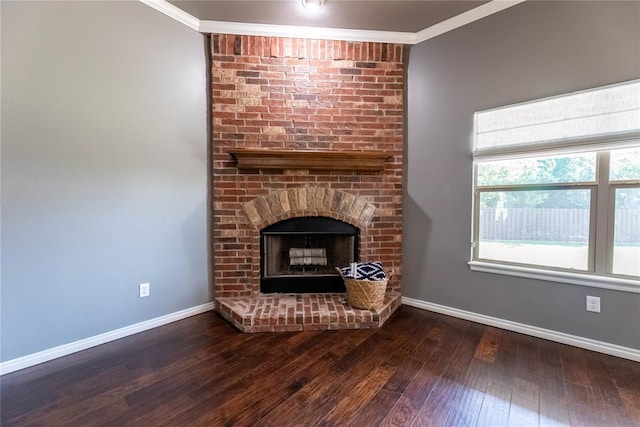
(611, 216)
(599, 271)
(478, 190)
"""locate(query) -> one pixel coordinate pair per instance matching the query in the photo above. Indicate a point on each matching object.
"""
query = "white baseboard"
(547, 334)
(65, 349)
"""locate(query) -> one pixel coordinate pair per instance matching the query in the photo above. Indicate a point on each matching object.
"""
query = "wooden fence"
(553, 225)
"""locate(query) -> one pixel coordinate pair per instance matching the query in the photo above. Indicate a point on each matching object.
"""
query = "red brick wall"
(312, 95)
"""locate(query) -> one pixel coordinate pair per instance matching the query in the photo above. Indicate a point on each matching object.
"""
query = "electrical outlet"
(145, 289)
(593, 304)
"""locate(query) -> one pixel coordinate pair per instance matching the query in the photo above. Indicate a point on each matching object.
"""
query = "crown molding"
(464, 18)
(323, 33)
(174, 12)
(251, 29)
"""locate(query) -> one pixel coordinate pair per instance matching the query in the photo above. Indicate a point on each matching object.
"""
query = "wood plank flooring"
(420, 369)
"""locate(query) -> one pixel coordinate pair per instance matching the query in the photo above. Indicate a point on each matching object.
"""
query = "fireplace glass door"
(299, 255)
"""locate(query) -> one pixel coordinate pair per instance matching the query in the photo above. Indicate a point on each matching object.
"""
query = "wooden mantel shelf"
(251, 158)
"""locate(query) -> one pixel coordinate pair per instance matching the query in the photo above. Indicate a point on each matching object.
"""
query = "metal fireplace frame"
(308, 283)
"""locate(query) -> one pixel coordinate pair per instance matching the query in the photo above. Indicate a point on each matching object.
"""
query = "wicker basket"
(365, 294)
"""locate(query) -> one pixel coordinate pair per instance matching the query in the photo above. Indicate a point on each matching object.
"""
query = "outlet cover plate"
(593, 304)
(145, 289)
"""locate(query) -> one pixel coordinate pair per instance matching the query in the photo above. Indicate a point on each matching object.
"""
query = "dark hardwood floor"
(421, 368)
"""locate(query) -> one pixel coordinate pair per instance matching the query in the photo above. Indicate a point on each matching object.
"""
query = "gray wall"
(103, 170)
(533, 50)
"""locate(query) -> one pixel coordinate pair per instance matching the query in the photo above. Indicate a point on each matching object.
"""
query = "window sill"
(583, 279)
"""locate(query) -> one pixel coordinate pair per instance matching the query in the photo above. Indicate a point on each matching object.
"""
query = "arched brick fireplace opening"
(304, 202)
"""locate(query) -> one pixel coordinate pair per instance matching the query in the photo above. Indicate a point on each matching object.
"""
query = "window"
(624, 176)
(557, 188)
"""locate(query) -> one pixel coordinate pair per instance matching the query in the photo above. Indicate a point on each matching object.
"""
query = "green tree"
(566, 169)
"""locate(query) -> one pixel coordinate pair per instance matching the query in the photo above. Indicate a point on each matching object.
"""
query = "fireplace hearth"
(299, 255)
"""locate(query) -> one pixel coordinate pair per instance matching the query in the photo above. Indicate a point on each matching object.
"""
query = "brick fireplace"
(310, 116)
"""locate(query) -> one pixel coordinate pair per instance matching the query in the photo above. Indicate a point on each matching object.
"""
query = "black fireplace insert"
(299, 255)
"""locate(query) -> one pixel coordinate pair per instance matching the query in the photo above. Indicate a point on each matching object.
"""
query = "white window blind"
(608, 113)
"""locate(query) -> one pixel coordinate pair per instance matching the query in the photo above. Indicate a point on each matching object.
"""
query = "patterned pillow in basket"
(364, 271)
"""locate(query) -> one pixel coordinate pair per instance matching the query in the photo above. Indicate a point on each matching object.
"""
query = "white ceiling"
(395, 21)
(403, 16)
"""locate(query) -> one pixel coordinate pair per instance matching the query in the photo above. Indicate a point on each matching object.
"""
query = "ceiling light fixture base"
(313, 4)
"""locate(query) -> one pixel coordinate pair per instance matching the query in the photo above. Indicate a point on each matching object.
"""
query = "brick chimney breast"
(301, 94)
